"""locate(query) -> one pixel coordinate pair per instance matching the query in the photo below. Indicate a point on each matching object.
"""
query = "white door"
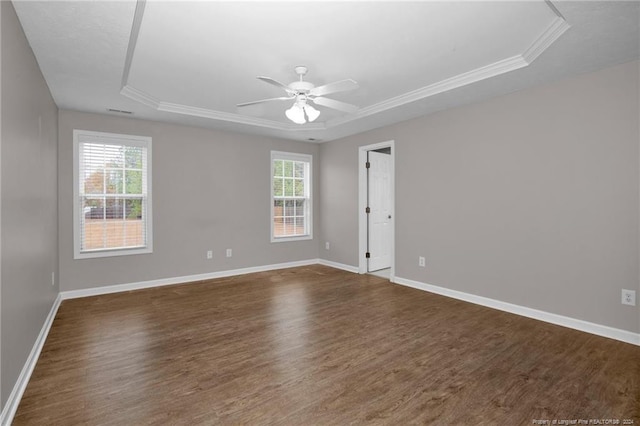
(379, 189)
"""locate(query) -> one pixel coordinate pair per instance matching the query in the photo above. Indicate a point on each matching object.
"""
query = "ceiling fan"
(304, 92)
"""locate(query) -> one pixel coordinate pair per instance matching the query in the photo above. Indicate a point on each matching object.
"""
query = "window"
(112, 194)
(290, 197)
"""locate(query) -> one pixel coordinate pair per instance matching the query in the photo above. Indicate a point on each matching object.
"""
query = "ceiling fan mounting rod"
(301, 70)
(301, 87)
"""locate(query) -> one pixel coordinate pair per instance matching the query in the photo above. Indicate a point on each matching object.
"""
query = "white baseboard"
(337, 265)
(10, 408)
(576, 324)
(95, 291)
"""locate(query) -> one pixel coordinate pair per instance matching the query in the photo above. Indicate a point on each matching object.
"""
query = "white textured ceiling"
(192, 62)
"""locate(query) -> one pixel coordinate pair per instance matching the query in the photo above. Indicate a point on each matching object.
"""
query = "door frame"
(362, 204)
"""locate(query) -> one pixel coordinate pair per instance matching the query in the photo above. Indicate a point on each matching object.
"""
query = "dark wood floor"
(315, 345)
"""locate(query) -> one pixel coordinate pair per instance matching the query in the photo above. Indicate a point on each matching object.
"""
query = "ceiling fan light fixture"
(311, 112)
(296, 114)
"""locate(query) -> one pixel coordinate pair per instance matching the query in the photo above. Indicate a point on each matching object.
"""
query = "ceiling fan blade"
(283, 98)
(338, 86)
(332, 103)
(275, 83)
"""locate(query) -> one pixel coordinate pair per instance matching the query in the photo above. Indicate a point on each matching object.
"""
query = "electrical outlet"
(327, 246)
(229, 252)
(628, 297)
(422, 262)
(209, 254)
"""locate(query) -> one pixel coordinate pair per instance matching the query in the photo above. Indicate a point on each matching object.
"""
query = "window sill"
(289, 239)
(112, 253)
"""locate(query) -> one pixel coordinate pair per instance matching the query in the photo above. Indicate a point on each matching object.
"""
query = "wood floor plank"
(316, 345)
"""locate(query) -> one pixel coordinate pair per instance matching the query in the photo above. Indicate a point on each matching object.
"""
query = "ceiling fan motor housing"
(301, 86)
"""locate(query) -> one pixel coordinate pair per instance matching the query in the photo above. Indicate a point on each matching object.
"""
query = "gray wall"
(29, 199)
(210, 191)
(530, 198)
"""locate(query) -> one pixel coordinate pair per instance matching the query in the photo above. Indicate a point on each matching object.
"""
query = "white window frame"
(115, 139)
(279, 155)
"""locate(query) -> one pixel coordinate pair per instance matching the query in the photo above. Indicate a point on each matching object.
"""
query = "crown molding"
(553, 31)
(219, 115)
(140, 96)
(546, 39)
(233, 118)
(451, 83)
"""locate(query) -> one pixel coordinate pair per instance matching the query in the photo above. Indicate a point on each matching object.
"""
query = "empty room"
(319, 212)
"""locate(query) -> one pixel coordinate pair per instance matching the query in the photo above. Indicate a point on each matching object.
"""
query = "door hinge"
(367, 210)
(367, 255)
(367, 165)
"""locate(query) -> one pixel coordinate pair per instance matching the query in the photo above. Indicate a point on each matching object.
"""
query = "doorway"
(376, 206)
